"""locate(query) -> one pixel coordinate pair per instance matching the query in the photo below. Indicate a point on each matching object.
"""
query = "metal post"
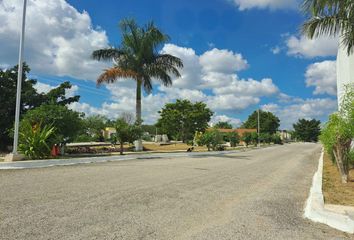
(259, 130)
(19, 79)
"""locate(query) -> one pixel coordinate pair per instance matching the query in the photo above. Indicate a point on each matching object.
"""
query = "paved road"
(258, 194)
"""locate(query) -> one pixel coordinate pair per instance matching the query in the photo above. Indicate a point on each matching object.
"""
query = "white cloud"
(318, 108)
(275, 50)
(235, 122)
(249, 87)
(59, 40)
(310, 48)
(323, 76)
(45, 88)
(192, 70)
(230, 102)
(222, 61)
(262, 4)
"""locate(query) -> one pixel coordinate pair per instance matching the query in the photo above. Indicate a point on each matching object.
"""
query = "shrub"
(234, 139)
(211, 139)
(35, 140)
(247, 138)
(276, 139)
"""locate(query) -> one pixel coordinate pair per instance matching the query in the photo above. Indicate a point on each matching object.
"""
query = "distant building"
(108, 131)
(239, 131)
(285, 136)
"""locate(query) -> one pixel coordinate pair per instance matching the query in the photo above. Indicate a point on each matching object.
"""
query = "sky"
(239, 55)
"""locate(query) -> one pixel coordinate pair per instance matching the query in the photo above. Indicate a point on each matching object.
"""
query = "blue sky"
(239, 55)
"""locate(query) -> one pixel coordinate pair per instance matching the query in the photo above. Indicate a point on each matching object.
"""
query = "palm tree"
(138, 58)
(330, 18)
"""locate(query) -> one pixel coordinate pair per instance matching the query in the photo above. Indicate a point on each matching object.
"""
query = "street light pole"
(259, 129)
(19, 79)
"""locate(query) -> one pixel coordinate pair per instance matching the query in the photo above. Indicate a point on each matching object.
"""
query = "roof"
(240, 131)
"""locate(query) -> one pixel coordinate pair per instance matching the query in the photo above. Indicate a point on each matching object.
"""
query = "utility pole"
(15, 155)
(259, 130)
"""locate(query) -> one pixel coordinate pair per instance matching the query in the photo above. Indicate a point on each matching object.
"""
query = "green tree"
(127, 132)
(330, 18)
(139, 58)
(307, 130)
(338, 133)
(254, 138)
(269, 123)
(265, 137)
(30, 99)
(234, 138)
(247, 138)
(67, 123)
(211, 139)
(92, 128)
(223, 125)
(180, 120)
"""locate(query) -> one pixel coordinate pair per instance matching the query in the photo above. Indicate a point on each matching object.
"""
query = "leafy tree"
(338, 133)
(223, 125)
(254, 138)
(34, 140)
(139, 58)
(307, 130)
(67, 123)
(92, 128)
(330, 18)
(180, 120)
(247, 138)
(211, 139)
(276, 139)
(234, 138)
(30, 99)
(269, 123)
(126, 132)
(265, 137)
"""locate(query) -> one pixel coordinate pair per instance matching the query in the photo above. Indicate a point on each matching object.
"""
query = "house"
(108, 131)
(239, 131)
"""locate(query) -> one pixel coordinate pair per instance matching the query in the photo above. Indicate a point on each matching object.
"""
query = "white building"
(345, 72)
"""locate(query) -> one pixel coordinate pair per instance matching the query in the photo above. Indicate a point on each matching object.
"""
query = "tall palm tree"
(138, 58)
(330, 18)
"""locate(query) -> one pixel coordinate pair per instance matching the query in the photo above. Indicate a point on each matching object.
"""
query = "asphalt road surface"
(258, 194)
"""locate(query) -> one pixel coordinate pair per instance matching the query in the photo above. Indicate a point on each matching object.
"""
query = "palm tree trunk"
(138, 102)
(138, 143)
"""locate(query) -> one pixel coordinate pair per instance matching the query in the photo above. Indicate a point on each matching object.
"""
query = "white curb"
(315, 208)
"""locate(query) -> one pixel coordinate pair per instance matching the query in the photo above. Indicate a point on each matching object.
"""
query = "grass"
(334, 191)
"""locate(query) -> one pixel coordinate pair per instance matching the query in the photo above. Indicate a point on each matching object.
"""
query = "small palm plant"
(34, 140)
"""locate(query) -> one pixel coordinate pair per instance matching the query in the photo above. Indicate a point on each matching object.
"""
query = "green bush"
(233, 138)
(247, 138)
(275, 138)
(212, 139)
(34, 140)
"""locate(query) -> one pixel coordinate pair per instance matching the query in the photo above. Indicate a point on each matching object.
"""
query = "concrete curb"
(86, 160)
(316, 210)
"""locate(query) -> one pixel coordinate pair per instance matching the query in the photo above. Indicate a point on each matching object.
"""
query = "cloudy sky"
(239, 55)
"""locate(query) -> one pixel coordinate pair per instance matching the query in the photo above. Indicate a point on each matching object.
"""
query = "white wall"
(345, 71)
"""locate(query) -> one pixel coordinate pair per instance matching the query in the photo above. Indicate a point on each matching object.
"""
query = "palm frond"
(107, 54)
(110, 75)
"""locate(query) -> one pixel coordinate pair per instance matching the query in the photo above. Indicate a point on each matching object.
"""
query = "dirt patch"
(334, 191)
(172, 147)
